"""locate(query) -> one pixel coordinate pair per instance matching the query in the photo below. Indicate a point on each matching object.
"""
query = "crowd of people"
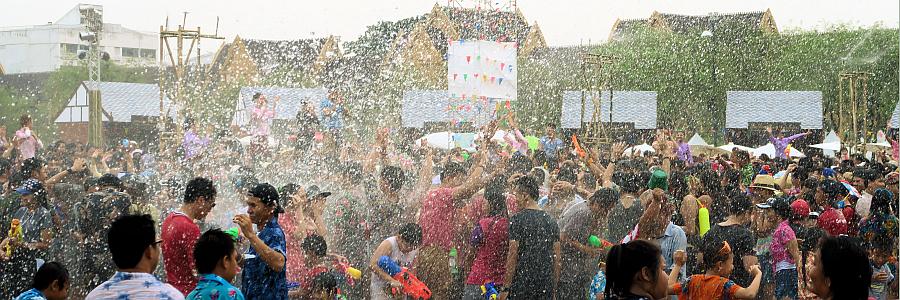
(324, 216)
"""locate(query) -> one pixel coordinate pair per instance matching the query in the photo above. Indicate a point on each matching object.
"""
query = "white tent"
(769, 150)
(828, 147)
(638, 150)
(731, 146)
(699, 145)
(831, 138)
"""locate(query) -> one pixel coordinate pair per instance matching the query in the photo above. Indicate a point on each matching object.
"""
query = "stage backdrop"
(481, 75)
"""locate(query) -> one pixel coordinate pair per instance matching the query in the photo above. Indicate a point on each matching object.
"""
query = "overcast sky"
(563, 22)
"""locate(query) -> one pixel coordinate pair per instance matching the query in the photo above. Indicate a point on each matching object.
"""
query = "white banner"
(482, 69)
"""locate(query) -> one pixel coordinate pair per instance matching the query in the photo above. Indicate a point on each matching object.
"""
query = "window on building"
(131, 52)
(148, 53)
(72, 48)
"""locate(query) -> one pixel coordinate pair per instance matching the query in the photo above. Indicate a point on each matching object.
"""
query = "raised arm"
(275, 259)
(797, 136)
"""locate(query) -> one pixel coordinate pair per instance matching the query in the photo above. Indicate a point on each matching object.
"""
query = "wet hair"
(30, 166)
(589, 180)
(529, 186)
(833, 190)
(628, 182)
(211, 247)
(740, 204)
(551, 125)
(256, 96)
(712, 253)
(393, 177)
(605, 197)
(782, 207)
(881, 201)
(520, 164)
(316, 244)
(567, 173)
(846, 264)
(128, 238)
(538, 175)
(625, 260)
(288, 190)
(741, 154)
(47, 274)
(810, 183)
(199, 187)
(411, 233)
(5, 166)
(452, 169)
(24, 119)
(496, 200)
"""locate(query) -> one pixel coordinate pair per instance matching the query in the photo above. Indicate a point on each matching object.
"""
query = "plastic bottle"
(453, 269)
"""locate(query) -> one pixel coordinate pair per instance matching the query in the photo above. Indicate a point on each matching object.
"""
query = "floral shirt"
(213, 287)
(134, 286)
(32, 294)
(598, 285)
(878, 226)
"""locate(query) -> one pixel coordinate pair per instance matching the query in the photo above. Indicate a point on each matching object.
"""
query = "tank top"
(403, 260)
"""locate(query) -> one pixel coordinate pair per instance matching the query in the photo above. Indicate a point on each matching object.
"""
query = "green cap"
(233, 232)
(658, 180)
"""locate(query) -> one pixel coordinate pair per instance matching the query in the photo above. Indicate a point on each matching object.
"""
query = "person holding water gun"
(401, 250)
(580, 245)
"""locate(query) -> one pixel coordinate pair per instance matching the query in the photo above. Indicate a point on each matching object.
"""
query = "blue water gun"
(489, 291)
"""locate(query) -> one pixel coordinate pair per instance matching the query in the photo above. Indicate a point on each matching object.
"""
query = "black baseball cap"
(267, 194)
(314, 190)
(109, 180)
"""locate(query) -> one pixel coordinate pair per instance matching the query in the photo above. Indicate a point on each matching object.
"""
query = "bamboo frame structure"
(854, 123)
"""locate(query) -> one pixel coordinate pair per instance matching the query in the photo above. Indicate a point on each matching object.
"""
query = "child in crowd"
(635, 272)
(882, 276)
(785, 251)
(402, 249)
(719, 262)
(51, 282)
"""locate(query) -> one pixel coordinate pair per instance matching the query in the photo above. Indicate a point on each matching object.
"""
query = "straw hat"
(764, 182)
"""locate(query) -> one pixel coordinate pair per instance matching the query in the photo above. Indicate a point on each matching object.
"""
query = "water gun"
(412, 286)
(15, 234)
(489, 291)
(597, 242)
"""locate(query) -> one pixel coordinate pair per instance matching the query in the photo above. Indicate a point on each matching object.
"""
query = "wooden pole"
(95, 118)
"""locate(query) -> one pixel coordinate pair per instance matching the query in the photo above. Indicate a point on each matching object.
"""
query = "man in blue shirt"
(551, 145)
(333, 115)
(264, 274)
(216, 259)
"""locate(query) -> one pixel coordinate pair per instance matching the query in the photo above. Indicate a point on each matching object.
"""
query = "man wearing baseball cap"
(264, 274)
(36, 223)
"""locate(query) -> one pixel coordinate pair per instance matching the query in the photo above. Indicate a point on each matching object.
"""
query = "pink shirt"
(437, 218)
(780, 239)
(490, 258)
(296, 264)
(30, 144)
(259, 121)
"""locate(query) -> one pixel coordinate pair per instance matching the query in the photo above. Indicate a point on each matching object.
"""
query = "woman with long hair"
(841, 270)
(634, 271)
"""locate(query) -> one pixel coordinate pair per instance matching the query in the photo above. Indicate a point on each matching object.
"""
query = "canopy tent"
(769, 150)
(831, 138)
(698, 145)
(828, 147)
(731, 146)
(638, 150)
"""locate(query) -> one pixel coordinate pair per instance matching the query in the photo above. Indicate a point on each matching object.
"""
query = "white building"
(44, 48)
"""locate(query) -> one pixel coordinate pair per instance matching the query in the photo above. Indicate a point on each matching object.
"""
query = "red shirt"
(437, 217)
(179, 234)
(490, 258)
(833, 222)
